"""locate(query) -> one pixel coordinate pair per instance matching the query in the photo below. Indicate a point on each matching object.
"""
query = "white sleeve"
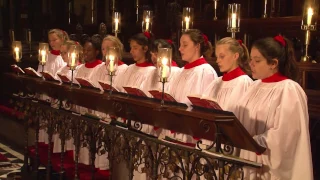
(288, 151)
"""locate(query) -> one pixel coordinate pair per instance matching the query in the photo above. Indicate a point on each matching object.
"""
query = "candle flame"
(16, 49)
(43, 52)
(310, 11)
(187, 19)
(147, 20)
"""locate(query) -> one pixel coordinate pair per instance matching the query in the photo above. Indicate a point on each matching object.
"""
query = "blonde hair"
(236, 46)
(60, 33)
(117, 43)
(69, 43)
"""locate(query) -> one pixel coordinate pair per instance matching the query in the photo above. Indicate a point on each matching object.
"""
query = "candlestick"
(309, 23)
(233, 19)
(147, 21)
(187, 20)
(215, 9)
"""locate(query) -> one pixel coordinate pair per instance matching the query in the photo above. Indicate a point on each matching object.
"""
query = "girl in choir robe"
(91, 56)
(92, 59)
(233, 61)
(137, 73)
(56, 38)
(274, 110)
(196, 75)
(102, 161)
(102, 73)
(66, 72)
(54, 62)
(153, 81)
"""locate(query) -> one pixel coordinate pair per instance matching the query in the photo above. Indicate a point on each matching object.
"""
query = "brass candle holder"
(116, 20)
(73, 59)
(308, 24)
(164, 60)
(147, 21)
(43, 54)
(187, 18)
(233, 19)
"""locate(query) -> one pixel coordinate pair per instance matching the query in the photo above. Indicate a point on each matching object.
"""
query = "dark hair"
(162, 43)
(96, 41)
(236, 46)
(143, 41)
(197, 37)
(272, 49)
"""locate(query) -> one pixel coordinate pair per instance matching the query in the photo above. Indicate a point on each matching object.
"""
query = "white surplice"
(102, 75)
(53, 64)
(276, 115)
(136, 76)
(153, 81)
(192, 80)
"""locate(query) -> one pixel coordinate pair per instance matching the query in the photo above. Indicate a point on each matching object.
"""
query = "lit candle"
(16, 51)
(116, 21)
(215, 4)
(309, 17)
(233, 20)
(111, 63)
(43, 56)
(165, 68)
(73, 59)
(187, 19)
(147, 24)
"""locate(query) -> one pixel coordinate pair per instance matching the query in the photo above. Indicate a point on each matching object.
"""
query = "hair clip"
(240, 42)
(147, 34)
(281, 40)
(169, 41)
(205, 37)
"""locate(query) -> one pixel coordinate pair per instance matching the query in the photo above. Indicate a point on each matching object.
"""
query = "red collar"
(120, 63)
(93, 64)
(274, 78)
(233, 74)
(55, 52)
(195, 63)
(144, 64)
(174, 64)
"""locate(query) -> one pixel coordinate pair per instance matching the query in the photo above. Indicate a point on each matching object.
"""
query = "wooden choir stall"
(124, 142)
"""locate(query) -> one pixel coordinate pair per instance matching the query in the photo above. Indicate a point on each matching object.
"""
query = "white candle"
(309, 17)
(73, 59)
(111, 63)
(116, 22)
(147, 24)
(43, 56)
(165, 68)
(187, 19)
(16, 51)
(215, 4)
(233, 20)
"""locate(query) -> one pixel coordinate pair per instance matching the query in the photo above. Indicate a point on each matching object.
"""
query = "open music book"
(85, 82)
(205, 102)
(48, 76)
(30, 71)
(135, 91)
(166, 96)
(16, 69)
(64, 78)
(106, 86)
